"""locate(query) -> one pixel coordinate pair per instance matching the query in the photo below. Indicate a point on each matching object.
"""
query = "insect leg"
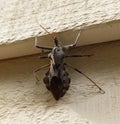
(38, 69)
(78, 56)
(102, 91)
(41, 47)
(74, 44)
(43, 57)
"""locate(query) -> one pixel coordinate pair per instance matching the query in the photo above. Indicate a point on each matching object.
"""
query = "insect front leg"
(38, 69)
(74, 44)
(41, 47)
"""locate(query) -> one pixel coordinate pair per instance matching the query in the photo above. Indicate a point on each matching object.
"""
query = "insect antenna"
(53, 36)
(101, 90)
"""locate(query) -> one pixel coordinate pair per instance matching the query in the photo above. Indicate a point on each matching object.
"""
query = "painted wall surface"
(98, 20)
(24, 102)
(20, 19)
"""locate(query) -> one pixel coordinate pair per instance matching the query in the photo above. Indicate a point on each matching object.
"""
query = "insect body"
(57, 79)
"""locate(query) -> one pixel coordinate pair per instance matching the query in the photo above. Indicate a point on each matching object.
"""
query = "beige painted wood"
(20, 20)
(91, 35)
(19, 23)
(24, 102)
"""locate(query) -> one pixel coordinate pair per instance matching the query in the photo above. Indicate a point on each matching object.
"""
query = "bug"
(57, 79)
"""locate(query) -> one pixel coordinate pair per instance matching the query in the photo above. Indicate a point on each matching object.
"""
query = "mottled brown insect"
(57, 79)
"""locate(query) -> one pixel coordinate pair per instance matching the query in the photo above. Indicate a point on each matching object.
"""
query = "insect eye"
(58, 50)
